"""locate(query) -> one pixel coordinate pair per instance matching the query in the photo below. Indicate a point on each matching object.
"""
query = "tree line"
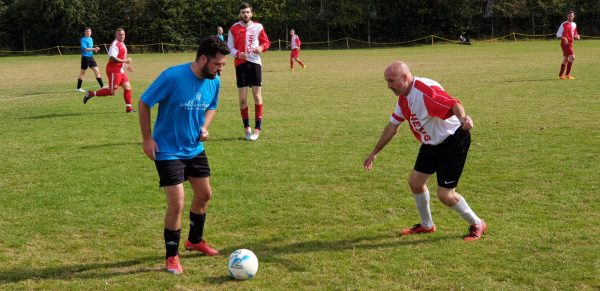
(36, 24)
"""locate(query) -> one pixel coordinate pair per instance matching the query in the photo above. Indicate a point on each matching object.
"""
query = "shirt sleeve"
(397, 117)
(231, 44)
(263, 40)
(113, 51)
(439, 103)
(559, 33)
(215, 102)
(158, 90)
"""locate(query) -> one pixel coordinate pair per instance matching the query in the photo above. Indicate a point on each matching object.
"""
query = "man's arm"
(117, 60)
(388, 133)
(559, 33)
(150, 147)
(264, 42)
(113, 52)
(231, 44)
(465, 120)
(208, 117)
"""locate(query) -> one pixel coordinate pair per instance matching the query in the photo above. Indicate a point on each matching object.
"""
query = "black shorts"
(248, 74)
(174, 172)
(447, 159)
(88, 62)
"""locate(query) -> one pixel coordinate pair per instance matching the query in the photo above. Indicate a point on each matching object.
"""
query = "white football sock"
(422, 203)
(465, 212)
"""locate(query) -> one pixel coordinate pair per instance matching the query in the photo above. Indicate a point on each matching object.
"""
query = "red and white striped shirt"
(243, 39)
(567, 30)
(118, 50)
(296, 43)
(428, 109)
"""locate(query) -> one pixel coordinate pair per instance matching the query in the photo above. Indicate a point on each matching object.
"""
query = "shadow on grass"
(269, 251)
(106, 145)
(59, 115)
(385, 240)
(216, 280)
(273, 251)
(81, 271)
(39, 93)
(225, 139)
(532, 80)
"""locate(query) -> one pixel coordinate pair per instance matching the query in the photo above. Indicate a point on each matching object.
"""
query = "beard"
(207, 74)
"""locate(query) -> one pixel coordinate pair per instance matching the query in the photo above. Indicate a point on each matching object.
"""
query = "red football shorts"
(116, 79)
(295, 53)
(567, 49)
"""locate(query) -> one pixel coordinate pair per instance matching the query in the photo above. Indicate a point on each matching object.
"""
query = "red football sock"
(127, 96)
(562, 69)
(258, 114)
(258, 111)
(569, 64)
(245, 119)
(103, 92)
(300, 62)
(244, 113)
(292, 64)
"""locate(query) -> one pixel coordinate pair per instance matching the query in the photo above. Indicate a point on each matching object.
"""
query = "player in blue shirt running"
(187, 96)
(87, 58)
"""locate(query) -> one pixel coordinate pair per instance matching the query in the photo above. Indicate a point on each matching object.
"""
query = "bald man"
(439, 122)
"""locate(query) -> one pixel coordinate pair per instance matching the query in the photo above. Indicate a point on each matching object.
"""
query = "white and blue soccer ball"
(242, 264)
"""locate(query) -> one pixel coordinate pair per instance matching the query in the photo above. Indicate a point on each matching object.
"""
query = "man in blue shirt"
(187, 96)
(87, 58)
(220, 33)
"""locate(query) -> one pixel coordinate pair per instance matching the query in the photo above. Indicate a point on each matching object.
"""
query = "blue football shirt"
(87, 42)
(182, 100)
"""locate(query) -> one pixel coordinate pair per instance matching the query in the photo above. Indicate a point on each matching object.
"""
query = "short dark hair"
(210, 46)
(245, 5)
(87, 28)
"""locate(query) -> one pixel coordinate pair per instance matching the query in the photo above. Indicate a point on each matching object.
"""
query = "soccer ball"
(242, 264)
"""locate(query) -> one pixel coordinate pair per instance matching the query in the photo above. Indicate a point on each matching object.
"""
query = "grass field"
(80, 207)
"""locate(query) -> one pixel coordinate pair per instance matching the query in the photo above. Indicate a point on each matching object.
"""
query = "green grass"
(80, 207)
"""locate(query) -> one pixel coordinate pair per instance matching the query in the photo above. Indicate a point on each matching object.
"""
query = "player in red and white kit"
(439, 122)
(567, 32)
(247, 40)
(118, 62)
(296, 43)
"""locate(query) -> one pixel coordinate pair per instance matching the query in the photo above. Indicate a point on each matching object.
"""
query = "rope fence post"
(162, 48)
(279, 42)
(514, 36)
(58, 48)
(106, 49)
(432, 39)
(347, 44)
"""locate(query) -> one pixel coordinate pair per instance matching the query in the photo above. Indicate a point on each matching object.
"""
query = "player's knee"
(415, 185)
(200, 201)
(175, 208)
(447, 196)
(206, 196)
